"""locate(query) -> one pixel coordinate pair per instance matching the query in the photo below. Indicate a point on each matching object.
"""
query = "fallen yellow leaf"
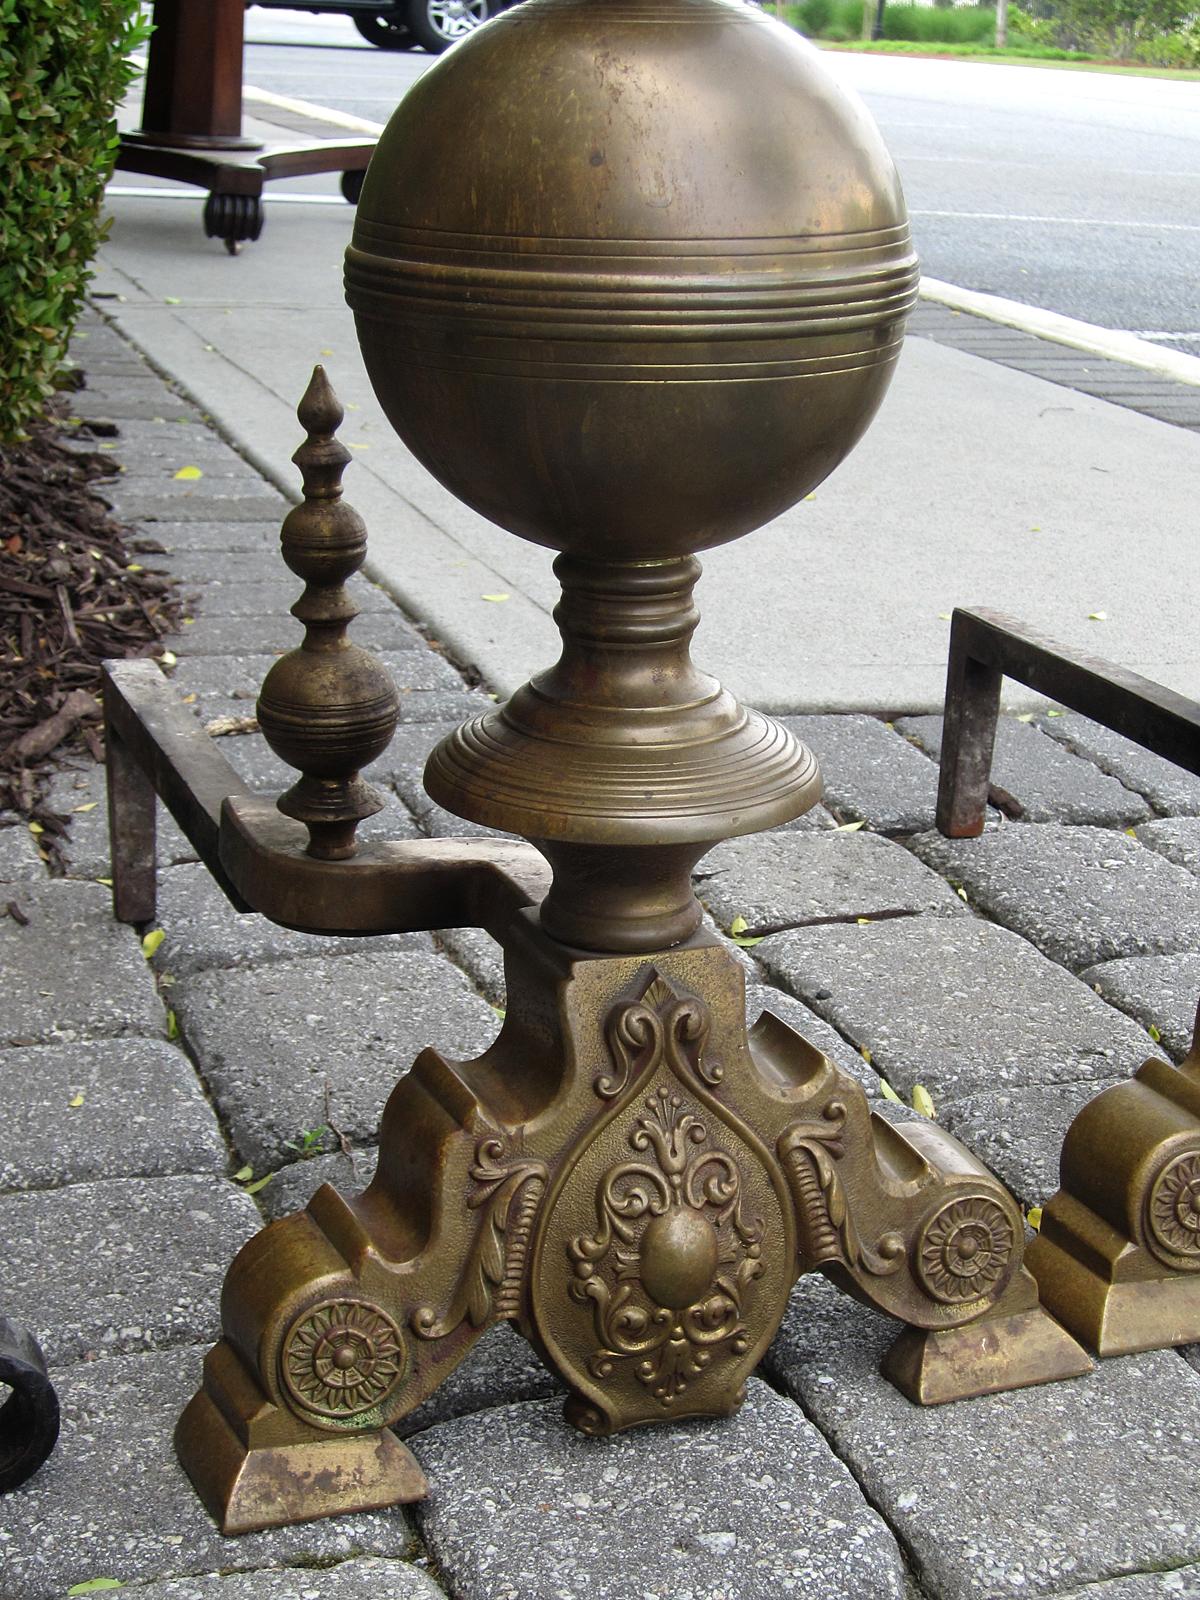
(495, 598)
(188, 474)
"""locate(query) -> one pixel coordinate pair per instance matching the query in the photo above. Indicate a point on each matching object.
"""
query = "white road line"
(306, 108)
(1066, 222)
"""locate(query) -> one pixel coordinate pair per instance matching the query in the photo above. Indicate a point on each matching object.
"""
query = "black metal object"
(29, 1417)
(986, 647)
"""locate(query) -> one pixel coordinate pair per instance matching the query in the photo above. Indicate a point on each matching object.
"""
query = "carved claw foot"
(1118, 1256)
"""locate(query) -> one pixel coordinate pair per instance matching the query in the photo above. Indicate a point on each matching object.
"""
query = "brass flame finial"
(327, 708)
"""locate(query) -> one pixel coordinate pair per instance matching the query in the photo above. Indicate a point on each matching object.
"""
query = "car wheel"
(384, 29)
(436, 24)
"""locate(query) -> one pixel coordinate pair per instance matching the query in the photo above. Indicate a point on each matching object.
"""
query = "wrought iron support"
(29, 1416)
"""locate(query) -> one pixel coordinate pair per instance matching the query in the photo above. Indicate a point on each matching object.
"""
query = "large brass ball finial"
(630, 278)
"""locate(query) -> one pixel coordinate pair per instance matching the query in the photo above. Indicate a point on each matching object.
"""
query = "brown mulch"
(74, 592)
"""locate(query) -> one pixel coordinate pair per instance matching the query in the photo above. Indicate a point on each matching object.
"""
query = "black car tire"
(385, 29)
(437, 24)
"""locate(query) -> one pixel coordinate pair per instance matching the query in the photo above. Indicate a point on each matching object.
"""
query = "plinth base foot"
(1016, 1346)
(1118, 1319)
(246, 1489)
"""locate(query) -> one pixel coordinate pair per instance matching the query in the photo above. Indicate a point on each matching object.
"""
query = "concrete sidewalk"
(975, 485)
(1010, 977)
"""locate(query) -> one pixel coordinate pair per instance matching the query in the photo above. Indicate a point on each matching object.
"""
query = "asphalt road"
(1077, 192)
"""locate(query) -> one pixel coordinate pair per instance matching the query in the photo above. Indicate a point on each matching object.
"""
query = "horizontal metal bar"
(986, 646)
(1155, 717)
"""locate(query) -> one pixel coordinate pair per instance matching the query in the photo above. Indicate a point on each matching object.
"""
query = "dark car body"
(432, 24)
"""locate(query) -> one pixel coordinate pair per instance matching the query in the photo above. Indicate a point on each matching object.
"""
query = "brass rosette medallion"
(965, 1251)
(341, 1360)
(1173, 1213)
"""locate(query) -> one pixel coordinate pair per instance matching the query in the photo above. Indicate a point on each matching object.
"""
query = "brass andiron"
(646, 303)
(1117, 1259)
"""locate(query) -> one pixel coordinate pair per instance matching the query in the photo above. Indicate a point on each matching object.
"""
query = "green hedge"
(64, 66)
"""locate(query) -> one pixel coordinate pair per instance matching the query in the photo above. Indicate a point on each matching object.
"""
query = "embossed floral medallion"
(1174, 1209)
(965, 1250)
(342, 1358)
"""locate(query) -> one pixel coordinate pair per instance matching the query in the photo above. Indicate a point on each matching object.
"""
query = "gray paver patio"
(1034, 1492)
(112, 1501)
(954, 1004)
(1081, 894)
(1161, 992)
(754, 1508)
(1167, 787)
(870, 772)
(296, 1045)
(109, 1108)
(152, 1254)
(69, 934)
(1049, 782)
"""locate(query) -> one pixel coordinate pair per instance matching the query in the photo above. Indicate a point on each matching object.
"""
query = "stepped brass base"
(636, 1183)
(1118, 1256)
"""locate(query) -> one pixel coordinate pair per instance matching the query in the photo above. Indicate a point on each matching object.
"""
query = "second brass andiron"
(630, 277)
(1118, 1255)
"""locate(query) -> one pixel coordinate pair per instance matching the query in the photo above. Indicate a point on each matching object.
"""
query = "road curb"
(1086, 336)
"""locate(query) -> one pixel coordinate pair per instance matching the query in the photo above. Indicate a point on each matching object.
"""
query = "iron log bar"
(986, 646)
(156, 746)
(259, 857)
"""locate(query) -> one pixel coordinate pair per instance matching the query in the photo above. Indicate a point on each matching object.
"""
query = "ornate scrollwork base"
(636, 1182)
(1118, 1256)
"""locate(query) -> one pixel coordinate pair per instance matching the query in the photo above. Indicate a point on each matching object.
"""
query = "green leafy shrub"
(935, 25)
(64, 66)
(815, 17)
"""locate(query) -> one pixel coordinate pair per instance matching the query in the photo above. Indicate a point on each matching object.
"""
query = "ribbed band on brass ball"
(327, 708)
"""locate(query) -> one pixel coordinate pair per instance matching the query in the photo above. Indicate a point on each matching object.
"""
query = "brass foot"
(1118, 1257)
(1014, 1346)
(255, 1467)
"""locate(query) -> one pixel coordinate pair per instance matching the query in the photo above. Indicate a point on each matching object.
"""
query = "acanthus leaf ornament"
(490, 1286)
(808, 1152)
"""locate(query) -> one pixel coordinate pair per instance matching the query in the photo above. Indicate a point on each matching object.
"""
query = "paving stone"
(1028, 1493)
(196, 567)
(1159, 991)
(141, 1114)
(295, 1045)
(1167, 787)
(225, 635)
(292, 1187)
(955, 1004)
(815, 820)
(1018, 1133)
(72, 972)
(870, 772)
(240, 677)
(1081, 894)
(118, 410)
(366, 1579)
(786, 880)
(203, 930)
(217, 537)
(138, 1262)
(525, 1508)
(19, 857)
(1177, 838)
(112, 1501)
(480, 957)
(1050, 783)
(251, 502)
(81, 793)
(1182, 1584)
(501, 1369)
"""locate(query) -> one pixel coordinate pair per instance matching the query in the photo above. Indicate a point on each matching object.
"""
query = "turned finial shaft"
(327, 708)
